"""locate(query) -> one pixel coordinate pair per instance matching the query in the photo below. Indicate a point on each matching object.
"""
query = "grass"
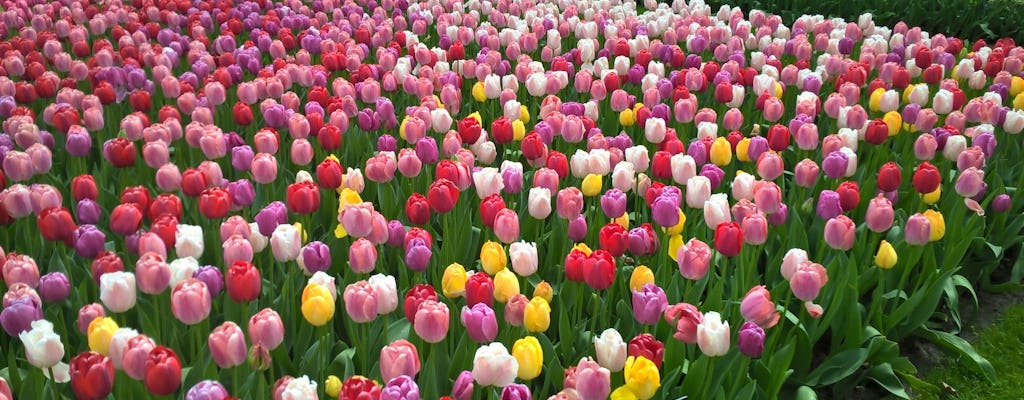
(1002, 343)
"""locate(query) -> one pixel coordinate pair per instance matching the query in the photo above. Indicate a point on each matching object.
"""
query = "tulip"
(117, 291)
(243, 282)
(399, 358)
(537, 315)
(807, 280)
(100, 332)
(646, 346)
(227, 345)
(163, 371)
(880, 214)
(713, 335)
(431, 321)
(524, 257)
(361, 302)
(92, 375)
(530, 357)
(190, 301)
(642, 378)
(494, 366)
(610, 350)
(54, 287)
(840, 233)
(43, 347)
(886, 256)
(358, 387)
(189, 241)
(751, 340)
(442, 195)
(648, 304)
(266, 329)
(208, 389)
(285, 243)
(295, 389)
(728, 238)
(757, 307)
(539, 202)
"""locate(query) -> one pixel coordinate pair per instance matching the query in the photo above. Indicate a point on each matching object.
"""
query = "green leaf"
(838, 367)
(884, 376)
(399, 329)
(960, 346)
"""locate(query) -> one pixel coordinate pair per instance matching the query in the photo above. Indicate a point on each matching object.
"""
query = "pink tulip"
(266, 329)
(506, 226)
(227, 345)
(399, 358)
(190, 301)
(757, 307)
(360, 302)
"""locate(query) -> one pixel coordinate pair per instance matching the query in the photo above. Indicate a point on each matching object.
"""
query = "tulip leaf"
(399, 329)
(884, 376)
(344, 359)
(838, 367)
(960, 346)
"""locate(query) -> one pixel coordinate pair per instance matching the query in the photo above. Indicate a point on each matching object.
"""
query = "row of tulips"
(575, 200)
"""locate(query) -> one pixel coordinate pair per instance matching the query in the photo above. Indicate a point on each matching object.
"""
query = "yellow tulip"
(721, 152)
(492, 257)
(674, 243)
(906, 93)
(779, 91)
(1018, 102)
(591, 185)
(626, 118)
(332, 387)
(537, 315)
(622, 220)
(317, 304)
(478, 92)
(506, 285)
(886, 257)
(401, 127)
(518, 130)
(623, 393)
(642, 377)
(741, 150)
(524, 114)
(100, 332)
(1016, 86)
(677, 228)
(938, 225)
(933, 197)
(476, 115)
(584, 248)
(528, 353)
(640, 277)
(544, 291)
(894, 121)
(302, 232)
(875, 101)
(453, 282)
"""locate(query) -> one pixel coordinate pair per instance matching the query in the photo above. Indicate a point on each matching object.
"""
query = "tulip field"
(484, 199)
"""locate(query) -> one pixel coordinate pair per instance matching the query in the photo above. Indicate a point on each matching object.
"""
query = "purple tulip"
(18, 316)
(270, 217)
(54, 287)
(751, 340)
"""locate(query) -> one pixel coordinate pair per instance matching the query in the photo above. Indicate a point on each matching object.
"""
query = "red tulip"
(900, 78)
(359, 388)
(778, 137)
(849, 195)
(105, 262)
(125, 219)
(165, 204)
(163, 371)
(614, 239)
(83, 187)
(889, 177)
(415, 296)
(243, 282)
(136, 194)
(723, 92)
(329, 174)
(599, 270)
(574, 265)
(728, 238)
(105, 91)
(56, 224)
(926, 178)
(501, 130)
(489, 208)
(661, 166)
(64, 117)
(215, 203)
(479, 289)
(645, 345)
(533, 147)
(559, 163)
(242, 113)
(876, 132)
(193, 182)
(417, 209)
(329, 137)
(165, 227)
(303, 197)
(92, 375)
(469, 130)
(140, 101)
(120, 152)
(442, 195)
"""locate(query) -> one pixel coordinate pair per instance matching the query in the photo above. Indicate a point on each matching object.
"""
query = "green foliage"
(969, 19)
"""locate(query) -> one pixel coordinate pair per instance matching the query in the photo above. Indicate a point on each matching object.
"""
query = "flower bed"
(389, 200)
